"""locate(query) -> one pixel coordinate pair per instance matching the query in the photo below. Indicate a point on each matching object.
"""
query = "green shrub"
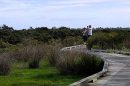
(3, 44)
(78, 63)
(70, 41)
(126, 43)
(98, 39)
(103, 40)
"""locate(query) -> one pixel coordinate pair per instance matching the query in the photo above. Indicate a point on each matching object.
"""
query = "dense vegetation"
(44, 64)
(25, 52)
(114, 38)
(103, 38)
(44, 34)
(33, 57)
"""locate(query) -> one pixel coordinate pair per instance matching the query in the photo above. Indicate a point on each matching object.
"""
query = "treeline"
(44, 34)
(102, 37)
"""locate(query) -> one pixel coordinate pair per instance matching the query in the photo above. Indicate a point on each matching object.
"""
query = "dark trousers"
(89, 46)
(85, 38)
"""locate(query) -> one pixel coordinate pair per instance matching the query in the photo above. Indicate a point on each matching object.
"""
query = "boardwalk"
(118, 71)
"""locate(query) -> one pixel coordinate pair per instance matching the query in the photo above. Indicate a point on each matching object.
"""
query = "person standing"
(89, 32)
(85, 34)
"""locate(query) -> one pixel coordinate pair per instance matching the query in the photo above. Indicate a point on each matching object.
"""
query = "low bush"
(78, 63)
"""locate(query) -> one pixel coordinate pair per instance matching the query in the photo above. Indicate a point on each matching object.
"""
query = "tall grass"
(31, 54)
(67, 62)
(5, 62)
(53, 53)
(36, 54)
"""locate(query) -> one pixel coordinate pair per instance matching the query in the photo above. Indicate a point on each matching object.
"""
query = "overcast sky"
(70, 13)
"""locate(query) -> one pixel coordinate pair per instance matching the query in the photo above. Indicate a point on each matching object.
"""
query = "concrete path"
(118, 71)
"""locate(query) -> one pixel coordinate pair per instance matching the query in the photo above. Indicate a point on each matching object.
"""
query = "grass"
(46, 75)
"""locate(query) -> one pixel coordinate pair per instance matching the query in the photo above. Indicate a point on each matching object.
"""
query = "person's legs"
(89, 46)
(84, 39)
(89, 35)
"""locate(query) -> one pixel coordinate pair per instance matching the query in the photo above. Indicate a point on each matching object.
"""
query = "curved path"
(118, 70)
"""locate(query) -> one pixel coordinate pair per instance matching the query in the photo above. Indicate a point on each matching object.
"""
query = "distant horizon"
(60, 26)
(22, 14)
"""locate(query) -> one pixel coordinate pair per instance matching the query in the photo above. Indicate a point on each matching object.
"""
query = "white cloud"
(124, 10)
(32, 5)
(81, 1)
(12, 5)
(7, 5)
